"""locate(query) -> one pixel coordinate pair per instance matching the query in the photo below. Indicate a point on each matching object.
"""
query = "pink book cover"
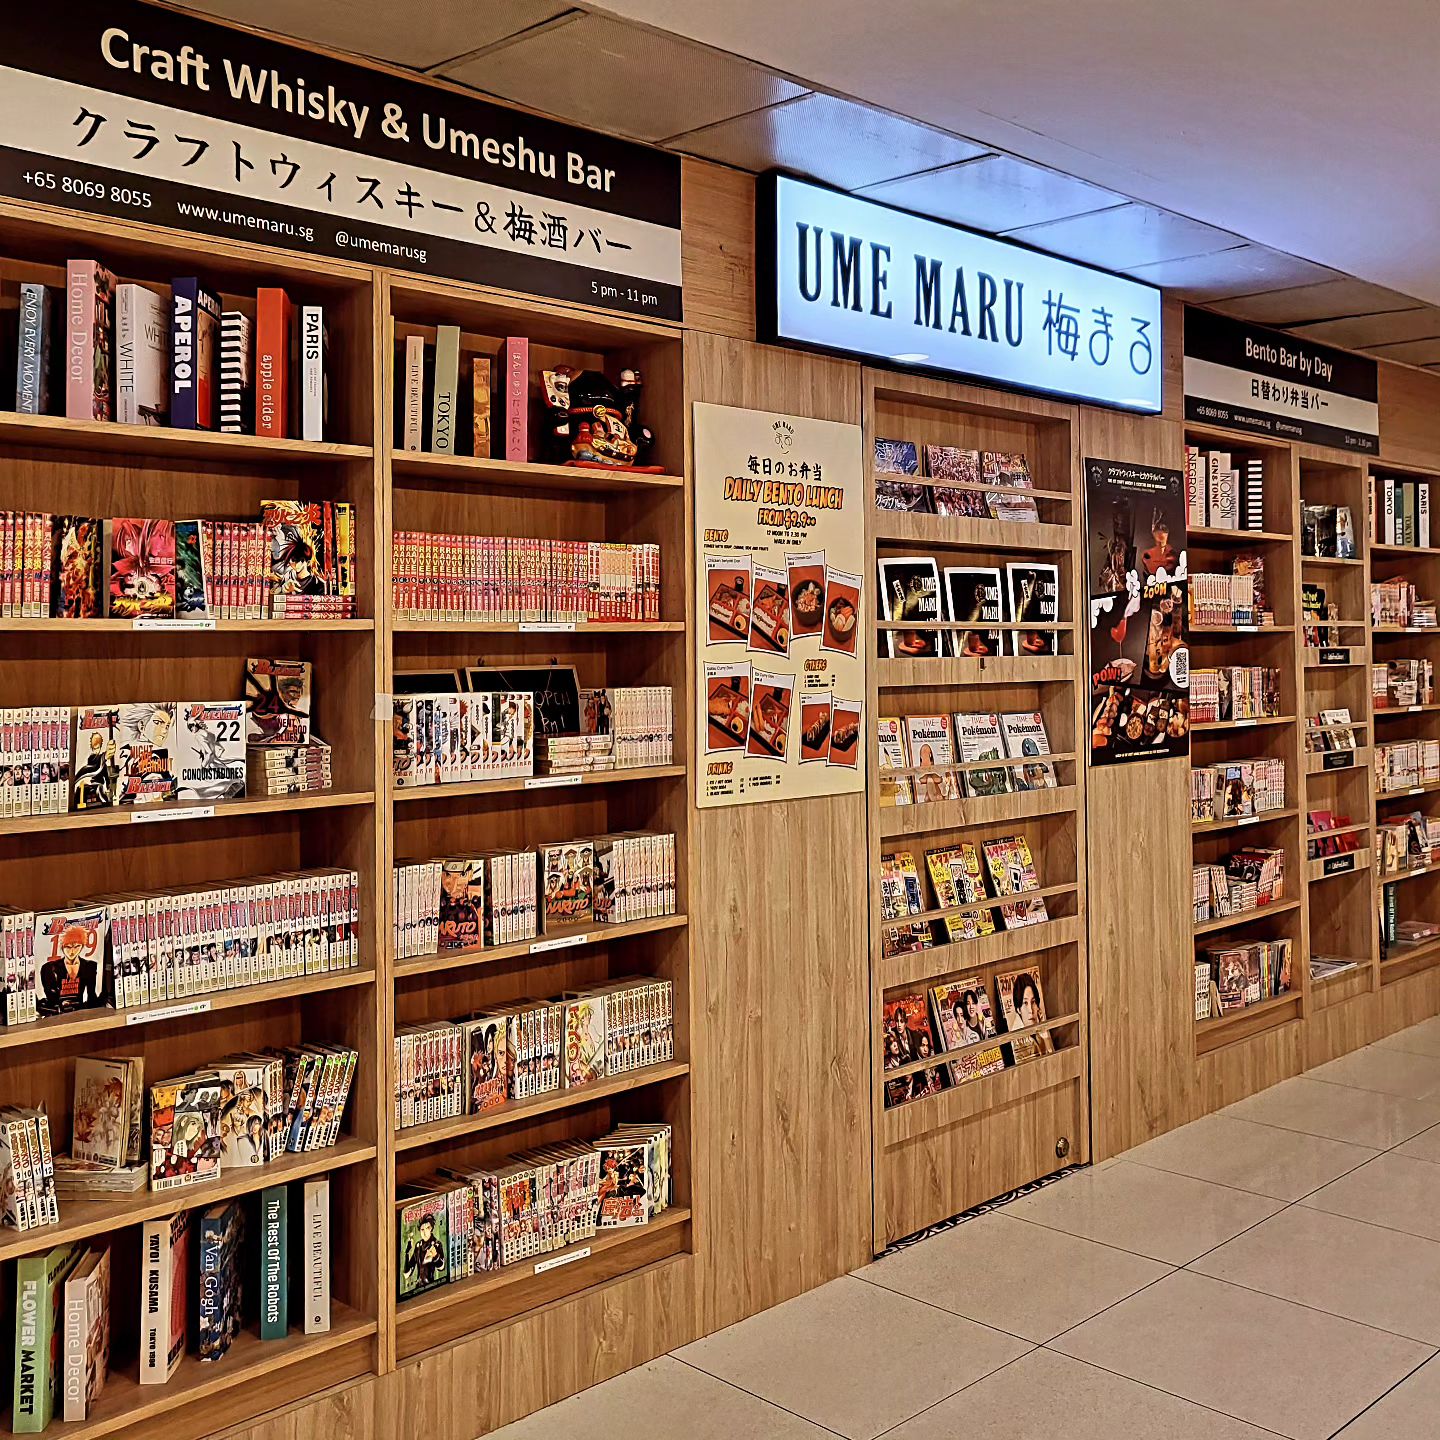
(515, 362)
(89, 337)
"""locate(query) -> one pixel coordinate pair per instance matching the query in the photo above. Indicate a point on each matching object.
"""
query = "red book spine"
(272, 363)
(515, 360)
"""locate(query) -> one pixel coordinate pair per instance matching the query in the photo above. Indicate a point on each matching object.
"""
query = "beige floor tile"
(1298, 1372)
(1339, 1112)
(1383, 1068)
(1425, 1146)
(1283, 1164)
(853, 1357)
(1395, 1190)
(1045, 1394)
(1410, 1411)
(661, 1398)
(1378, 1277)
(971, 1270)
(1149, 1212)
(1422, 1039)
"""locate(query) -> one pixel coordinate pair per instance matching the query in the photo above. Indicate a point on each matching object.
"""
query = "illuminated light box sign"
(127, 110)
(851, 277)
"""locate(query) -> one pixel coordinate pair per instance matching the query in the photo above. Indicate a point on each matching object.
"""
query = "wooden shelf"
(538, 782)
(158, 441)
(1395, 877)
(1377, 548)
(1384, 712)
(953, 532)
(465, 1306)
(946, 672)
(1357, 759)
(1225, 631)
(1327, 867)
(216, 627)
(482, 474)
(1219, 535)
(539, 627)
(932, 482)
(1045, 892)
(514, 1112)
(1213, 727)
(1244, 1024)
(1244, 917)
(916, 967)
(1385, 797)
(936, 815)
(242, 997)
(1386, 630)
(1334, 560)
(425, 965)
(80, 1219)
(180, 813)
(125, 1402)
(1239, 822)
(1403, 961)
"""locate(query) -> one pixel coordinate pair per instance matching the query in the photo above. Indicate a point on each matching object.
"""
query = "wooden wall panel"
(779, 927)
(718, 249)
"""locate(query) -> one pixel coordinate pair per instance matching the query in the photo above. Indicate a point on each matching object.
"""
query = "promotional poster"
(1138, 581)
(779, 527)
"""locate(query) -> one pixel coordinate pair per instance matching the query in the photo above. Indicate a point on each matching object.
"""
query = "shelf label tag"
(1339, 864)
(170, 1012)
(1416, 790)
(541, 1266)
(1247, 629)
(190, 812)
(157, 622)
(550, 782)
(1337, 760)
(1250, 820)
(1244, 724)
(1335, 655)
(563, 942)
(548, 627)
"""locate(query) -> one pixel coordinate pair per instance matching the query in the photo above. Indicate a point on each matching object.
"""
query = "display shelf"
(1246, 1023)
(1248, 631)
(943, 673)
(515, 1112)
(1222, 536)
(468, 470)
(1403, 961)
(948, 532)
(1045, 892)
(1223, 727)
(1385, 712)
(936, 815)
(1376, 548)
(1331, 867)
(184, 812)
(1240, 822)
(471, 789)
(56, 629)
(1336, 561)
(914, 1067)
(1386, 797)
(1244, 917)
(538, 627)
(1356, 759)
(935, 962)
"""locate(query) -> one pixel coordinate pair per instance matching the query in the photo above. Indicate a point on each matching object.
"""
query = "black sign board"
(1249, 378)
(1338, 864)
(123, 109)
(1338, 760)
(1139, 654)
(1335, 655)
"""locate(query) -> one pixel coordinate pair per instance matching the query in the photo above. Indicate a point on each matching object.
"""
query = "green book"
(274, 1264)
(444, 402)
(39, 1293)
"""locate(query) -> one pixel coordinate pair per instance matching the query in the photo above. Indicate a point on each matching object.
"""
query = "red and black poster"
(1139, 655)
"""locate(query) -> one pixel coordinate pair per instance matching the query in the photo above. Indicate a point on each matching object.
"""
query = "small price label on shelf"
(190, 812)
(170, 1012)
(548, 627)
(1247, 629)
(562, 942)
(156, 622)
(1416, 790)
(550, 782)
(1251, 820)
(541, 1266)
(1243, 724)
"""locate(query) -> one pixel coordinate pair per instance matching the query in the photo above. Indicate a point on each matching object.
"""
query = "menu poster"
(1138, 582)
(780, 658)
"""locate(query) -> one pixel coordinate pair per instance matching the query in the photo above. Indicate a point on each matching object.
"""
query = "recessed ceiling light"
(913, 357)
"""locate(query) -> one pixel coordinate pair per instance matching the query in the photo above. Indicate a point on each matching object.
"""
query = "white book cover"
(315, 1256)
(414, 436)
(142, 345)
(1422, 515)
(927, 738)
(312, 372)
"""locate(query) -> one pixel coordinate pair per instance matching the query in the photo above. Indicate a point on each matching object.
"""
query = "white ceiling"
(1227, 152)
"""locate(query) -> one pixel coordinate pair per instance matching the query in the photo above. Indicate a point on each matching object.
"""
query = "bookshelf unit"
(64, 466)
(459, 494)
(1214, 550)
(937, 1155)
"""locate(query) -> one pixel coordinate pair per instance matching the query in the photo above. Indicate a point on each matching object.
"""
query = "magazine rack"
(940, 1154)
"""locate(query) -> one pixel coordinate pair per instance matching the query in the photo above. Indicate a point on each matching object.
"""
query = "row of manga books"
(1330, 730)
(1234, 977)
(1235, 789)
(455, 1223)
(508, 578)
(1397, 683)
(927, 745)
(141, 948)
(1407, 842)
(1242, 881)
(28, 1198)
(1406, 764)
(296, 562)
(959, 887)
(978, 484)
(1234, 692)
(1238, 598)
(455, 739)
(1398, 604)
(480, 900)
(956, 1015)
(625, 727)
(473, 1065)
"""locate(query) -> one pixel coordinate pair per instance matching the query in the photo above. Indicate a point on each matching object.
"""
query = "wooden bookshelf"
(58, 465)
(1031, 1119)
(535, 498)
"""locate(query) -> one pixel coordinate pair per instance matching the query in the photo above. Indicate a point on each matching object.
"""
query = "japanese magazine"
(892, 754)
(1012, 872)
(1022, 1005)
(961, 1011)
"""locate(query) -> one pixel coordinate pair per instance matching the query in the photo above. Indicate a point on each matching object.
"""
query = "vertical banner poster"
(1139, 656)
(780, 658)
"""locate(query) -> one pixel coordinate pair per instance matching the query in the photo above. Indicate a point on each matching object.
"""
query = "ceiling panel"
(1359, 331)
(829, 139)
(995, 193)
(1126, 236)
(1240, 270)
(609, 76)
(1327, 301)
(429, 30)
(1411, 352)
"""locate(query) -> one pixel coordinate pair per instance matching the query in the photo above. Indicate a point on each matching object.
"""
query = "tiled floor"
(1271, 1270)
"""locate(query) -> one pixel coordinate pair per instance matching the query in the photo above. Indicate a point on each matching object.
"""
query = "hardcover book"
(444, 400)
(165, 1247)
(274, 1276)
(210, 750)
(142, 567)
(480, 406)
(87, 1333)
(75, 567)
(89, 341)
(35, 351)
(194, 354)
(274, 321)
(142, 382)
(277, 693)
(237, 373)
(310, 1204)
(222, 1228)
(413, 413)
(39, 1300)
(314, 391)
(515, 373)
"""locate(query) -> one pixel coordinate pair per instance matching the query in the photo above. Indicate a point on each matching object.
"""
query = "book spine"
(27, 1402)
(274, 1294)
(237, 380)
(32, 373)
(272, 363)
(315, 1264)
(312, 372)
(414, 437)
(155, 1302)
(184, 336)
(80, 301)
(516, 361)
(75, 1332)
(1422, 514)
(447, 380)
